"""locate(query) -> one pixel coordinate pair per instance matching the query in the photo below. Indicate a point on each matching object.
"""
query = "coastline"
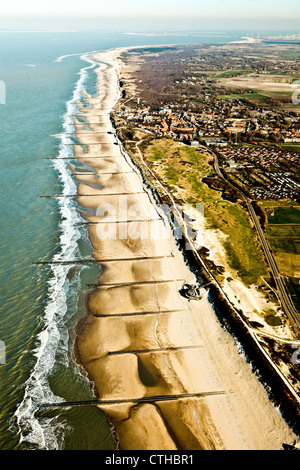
(153, 317)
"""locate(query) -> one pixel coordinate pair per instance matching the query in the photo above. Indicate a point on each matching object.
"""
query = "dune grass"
(185, 167)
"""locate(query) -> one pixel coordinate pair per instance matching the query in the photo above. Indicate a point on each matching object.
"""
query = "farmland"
(283, 234)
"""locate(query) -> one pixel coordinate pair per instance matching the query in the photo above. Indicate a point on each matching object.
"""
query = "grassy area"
(285, 215)
(283, 234)
(239, 96)
(156, 154)
(293, 285)
(276, 94)
(283, 245)
(288, 263)
(242, 248)
(184, 168)
(229, 73)
(290, 146)
(289, 55)
(279, 203)
(271, 319)
(284, 240)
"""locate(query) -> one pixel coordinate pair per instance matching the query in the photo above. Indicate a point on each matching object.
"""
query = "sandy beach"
(140, 338)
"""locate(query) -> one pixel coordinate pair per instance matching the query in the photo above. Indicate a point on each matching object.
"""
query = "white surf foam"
(42, 433)
(62, 57)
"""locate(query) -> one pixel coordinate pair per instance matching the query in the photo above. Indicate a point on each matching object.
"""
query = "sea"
(42, 75)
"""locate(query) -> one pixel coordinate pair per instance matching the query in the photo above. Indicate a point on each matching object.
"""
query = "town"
(262, 171)
(256, 137)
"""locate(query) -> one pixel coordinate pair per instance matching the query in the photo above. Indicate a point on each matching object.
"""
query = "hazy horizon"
(154, 15)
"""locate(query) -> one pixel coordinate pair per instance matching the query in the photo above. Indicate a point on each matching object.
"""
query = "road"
(283, 296)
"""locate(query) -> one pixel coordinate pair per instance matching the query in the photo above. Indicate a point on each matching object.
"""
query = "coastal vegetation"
(185, 170)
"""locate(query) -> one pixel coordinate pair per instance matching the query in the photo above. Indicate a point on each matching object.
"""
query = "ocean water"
(40, 304)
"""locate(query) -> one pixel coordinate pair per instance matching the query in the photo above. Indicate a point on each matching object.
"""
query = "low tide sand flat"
(136, 307)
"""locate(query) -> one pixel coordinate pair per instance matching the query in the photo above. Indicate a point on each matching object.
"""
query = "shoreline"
(226, 421)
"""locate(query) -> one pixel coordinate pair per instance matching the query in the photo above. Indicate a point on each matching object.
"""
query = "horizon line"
(145, 30)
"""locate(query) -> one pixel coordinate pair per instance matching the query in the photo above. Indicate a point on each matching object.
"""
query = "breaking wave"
(51, 344)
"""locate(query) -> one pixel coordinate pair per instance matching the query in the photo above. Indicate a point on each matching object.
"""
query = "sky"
(151, 14)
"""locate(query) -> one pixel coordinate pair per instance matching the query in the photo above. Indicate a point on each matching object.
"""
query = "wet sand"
(140, 337)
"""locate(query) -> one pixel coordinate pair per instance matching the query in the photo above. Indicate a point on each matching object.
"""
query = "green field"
(229, 73)
(290, 146)
(283, 234)
(292, 55)
(279, 203)
(285, 215)
(283, 230)
(239, 96)
(284, 238)
(293, 285)
(284, 245)
(286, 232)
